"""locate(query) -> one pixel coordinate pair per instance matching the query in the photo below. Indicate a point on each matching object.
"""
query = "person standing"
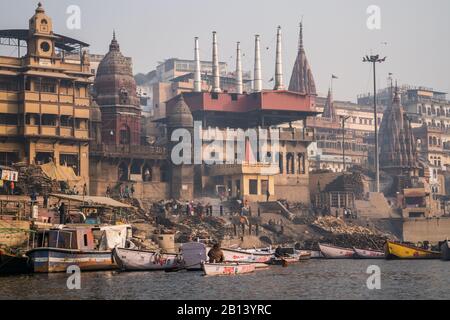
(108, 191)
(11, 187)
(127, 191)
(132, 190)
(267, 195)
(62, 213)
(84, 190)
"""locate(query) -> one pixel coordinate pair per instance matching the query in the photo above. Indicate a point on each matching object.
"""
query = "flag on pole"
(271, 79)
(333, 76)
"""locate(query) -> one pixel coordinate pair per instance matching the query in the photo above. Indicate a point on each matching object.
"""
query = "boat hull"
(217, 269)
(242, 256)
(12, 264)
(368, 254)
(334, 252)
(445, 251)
(46, 260)
(142, 260)
(394, 250)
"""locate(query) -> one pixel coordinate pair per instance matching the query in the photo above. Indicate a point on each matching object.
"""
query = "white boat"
(334, 252)
(368, 253)
(229, 268)
(193, 253)
(244, 256)
(134, 259)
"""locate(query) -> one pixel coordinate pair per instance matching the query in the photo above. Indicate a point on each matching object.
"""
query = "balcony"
(82, 102)
(65, 132)
(48, 130)
(9, 95)
(296, 134)
(81, 133)
(8, 130)
(31, 130)
(145, 152)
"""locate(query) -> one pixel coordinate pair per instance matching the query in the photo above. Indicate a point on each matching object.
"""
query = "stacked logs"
(32, 178)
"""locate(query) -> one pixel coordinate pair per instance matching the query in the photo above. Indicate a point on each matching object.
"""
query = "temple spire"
(114, 44)
(302, 80)
(300, 37)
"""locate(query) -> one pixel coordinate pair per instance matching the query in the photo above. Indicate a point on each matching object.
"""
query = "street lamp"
(343, 118)
(374, 59)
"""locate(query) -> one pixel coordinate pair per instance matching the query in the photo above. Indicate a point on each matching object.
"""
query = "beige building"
(44, 99)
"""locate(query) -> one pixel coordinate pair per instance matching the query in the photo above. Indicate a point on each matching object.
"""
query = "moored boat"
(316, 254)
(66, 247)
(334, 252)
(145, 260)
(303, 255)
(445, 250)
(13, 264)
(395, 250)
(215, 269)
(368, 253)
(243, 256)
(44, 260)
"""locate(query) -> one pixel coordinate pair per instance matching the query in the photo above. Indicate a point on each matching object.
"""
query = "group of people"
(125, 191)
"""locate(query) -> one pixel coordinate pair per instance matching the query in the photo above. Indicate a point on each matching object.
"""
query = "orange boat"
(395, 250)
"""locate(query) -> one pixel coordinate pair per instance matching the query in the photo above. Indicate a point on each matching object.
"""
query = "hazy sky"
(335, 35)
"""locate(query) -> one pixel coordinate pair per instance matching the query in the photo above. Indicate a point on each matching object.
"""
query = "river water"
(313, 279)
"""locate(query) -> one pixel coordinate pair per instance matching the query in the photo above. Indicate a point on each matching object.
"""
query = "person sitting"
(215, 255)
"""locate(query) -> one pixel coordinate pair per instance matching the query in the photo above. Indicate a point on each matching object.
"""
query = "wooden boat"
(193, 253)
(395, 250)
(303, 255)
(134, 260)
(334, 252)
(236, 255)
(216, 269)
(368, 253)
(65, 247)
(445, 250)
(13, 264)
(48, 259)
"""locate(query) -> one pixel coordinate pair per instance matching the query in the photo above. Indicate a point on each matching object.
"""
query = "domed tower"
(41, 40)
(115, 93)
(179, 116)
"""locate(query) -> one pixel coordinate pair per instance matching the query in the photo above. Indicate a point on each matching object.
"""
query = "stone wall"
(11, 234)
(430, 229)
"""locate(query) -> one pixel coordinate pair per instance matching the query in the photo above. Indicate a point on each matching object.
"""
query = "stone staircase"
(376, 207)
(275, 207)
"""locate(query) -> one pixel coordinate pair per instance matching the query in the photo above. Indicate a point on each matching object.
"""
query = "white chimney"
(197, 76)
(215, 66)
(278, 64)
(238, 69)
(257, 81)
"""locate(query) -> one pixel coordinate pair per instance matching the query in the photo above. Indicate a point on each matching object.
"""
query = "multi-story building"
(327, 153)
(44, 98)
(120, 153)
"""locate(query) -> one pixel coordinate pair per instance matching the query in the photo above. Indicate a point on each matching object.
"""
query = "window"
(85, 240)
(48, 87)
(125, 135)
(48, 120)
(8, 119)
(253, 186)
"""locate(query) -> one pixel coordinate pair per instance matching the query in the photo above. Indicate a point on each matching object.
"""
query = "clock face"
(45, 46)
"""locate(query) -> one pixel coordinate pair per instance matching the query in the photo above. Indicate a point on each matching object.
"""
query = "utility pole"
(343, 118)
(374, 59)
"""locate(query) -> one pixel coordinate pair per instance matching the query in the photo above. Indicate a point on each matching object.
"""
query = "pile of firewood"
(32, 178)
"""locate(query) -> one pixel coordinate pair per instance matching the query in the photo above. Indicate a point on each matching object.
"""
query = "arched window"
(290, 163)
(430, 141)
(124, 134)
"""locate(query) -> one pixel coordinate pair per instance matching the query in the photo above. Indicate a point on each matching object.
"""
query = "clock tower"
(41, 41)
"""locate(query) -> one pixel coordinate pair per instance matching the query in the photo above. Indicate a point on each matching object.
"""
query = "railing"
(127, 149)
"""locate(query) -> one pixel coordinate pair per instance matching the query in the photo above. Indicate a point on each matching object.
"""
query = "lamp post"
(343, 119)
(374, 59)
